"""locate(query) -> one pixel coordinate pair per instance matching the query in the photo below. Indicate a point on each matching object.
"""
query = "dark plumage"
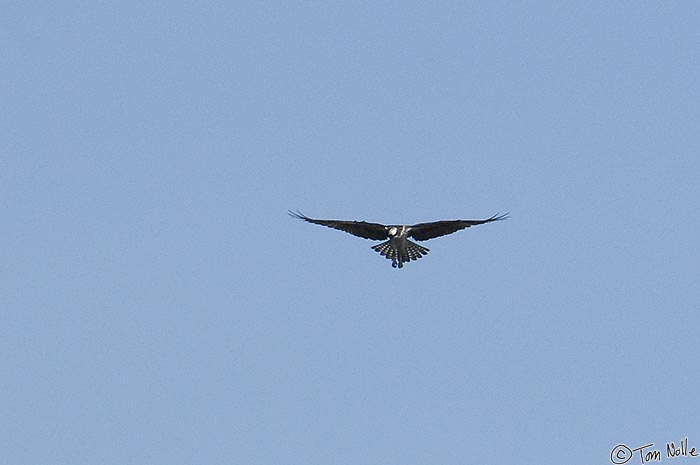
(398, 248)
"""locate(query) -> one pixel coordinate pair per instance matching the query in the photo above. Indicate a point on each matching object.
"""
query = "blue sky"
(159, 306)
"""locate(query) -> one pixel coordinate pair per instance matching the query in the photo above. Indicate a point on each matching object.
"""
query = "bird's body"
(398, 248)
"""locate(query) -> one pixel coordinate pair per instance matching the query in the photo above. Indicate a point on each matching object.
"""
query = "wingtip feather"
(296, 214)
(499, 216)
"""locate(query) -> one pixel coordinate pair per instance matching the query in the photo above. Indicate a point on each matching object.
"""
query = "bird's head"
(393, 230)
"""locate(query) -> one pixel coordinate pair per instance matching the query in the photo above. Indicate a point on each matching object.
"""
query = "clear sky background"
(159, 306)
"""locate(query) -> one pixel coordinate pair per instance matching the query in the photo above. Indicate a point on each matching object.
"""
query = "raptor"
(397, 246)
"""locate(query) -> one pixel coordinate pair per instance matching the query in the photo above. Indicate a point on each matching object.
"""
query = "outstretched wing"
(425, 231)
(363, 229)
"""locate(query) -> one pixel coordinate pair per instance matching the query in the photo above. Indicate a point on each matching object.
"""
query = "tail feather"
(412, 251)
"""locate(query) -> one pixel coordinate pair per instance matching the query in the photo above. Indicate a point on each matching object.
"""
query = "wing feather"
(425, 231)
(362, 229)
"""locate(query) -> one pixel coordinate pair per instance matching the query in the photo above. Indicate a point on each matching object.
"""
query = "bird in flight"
(398, 248)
